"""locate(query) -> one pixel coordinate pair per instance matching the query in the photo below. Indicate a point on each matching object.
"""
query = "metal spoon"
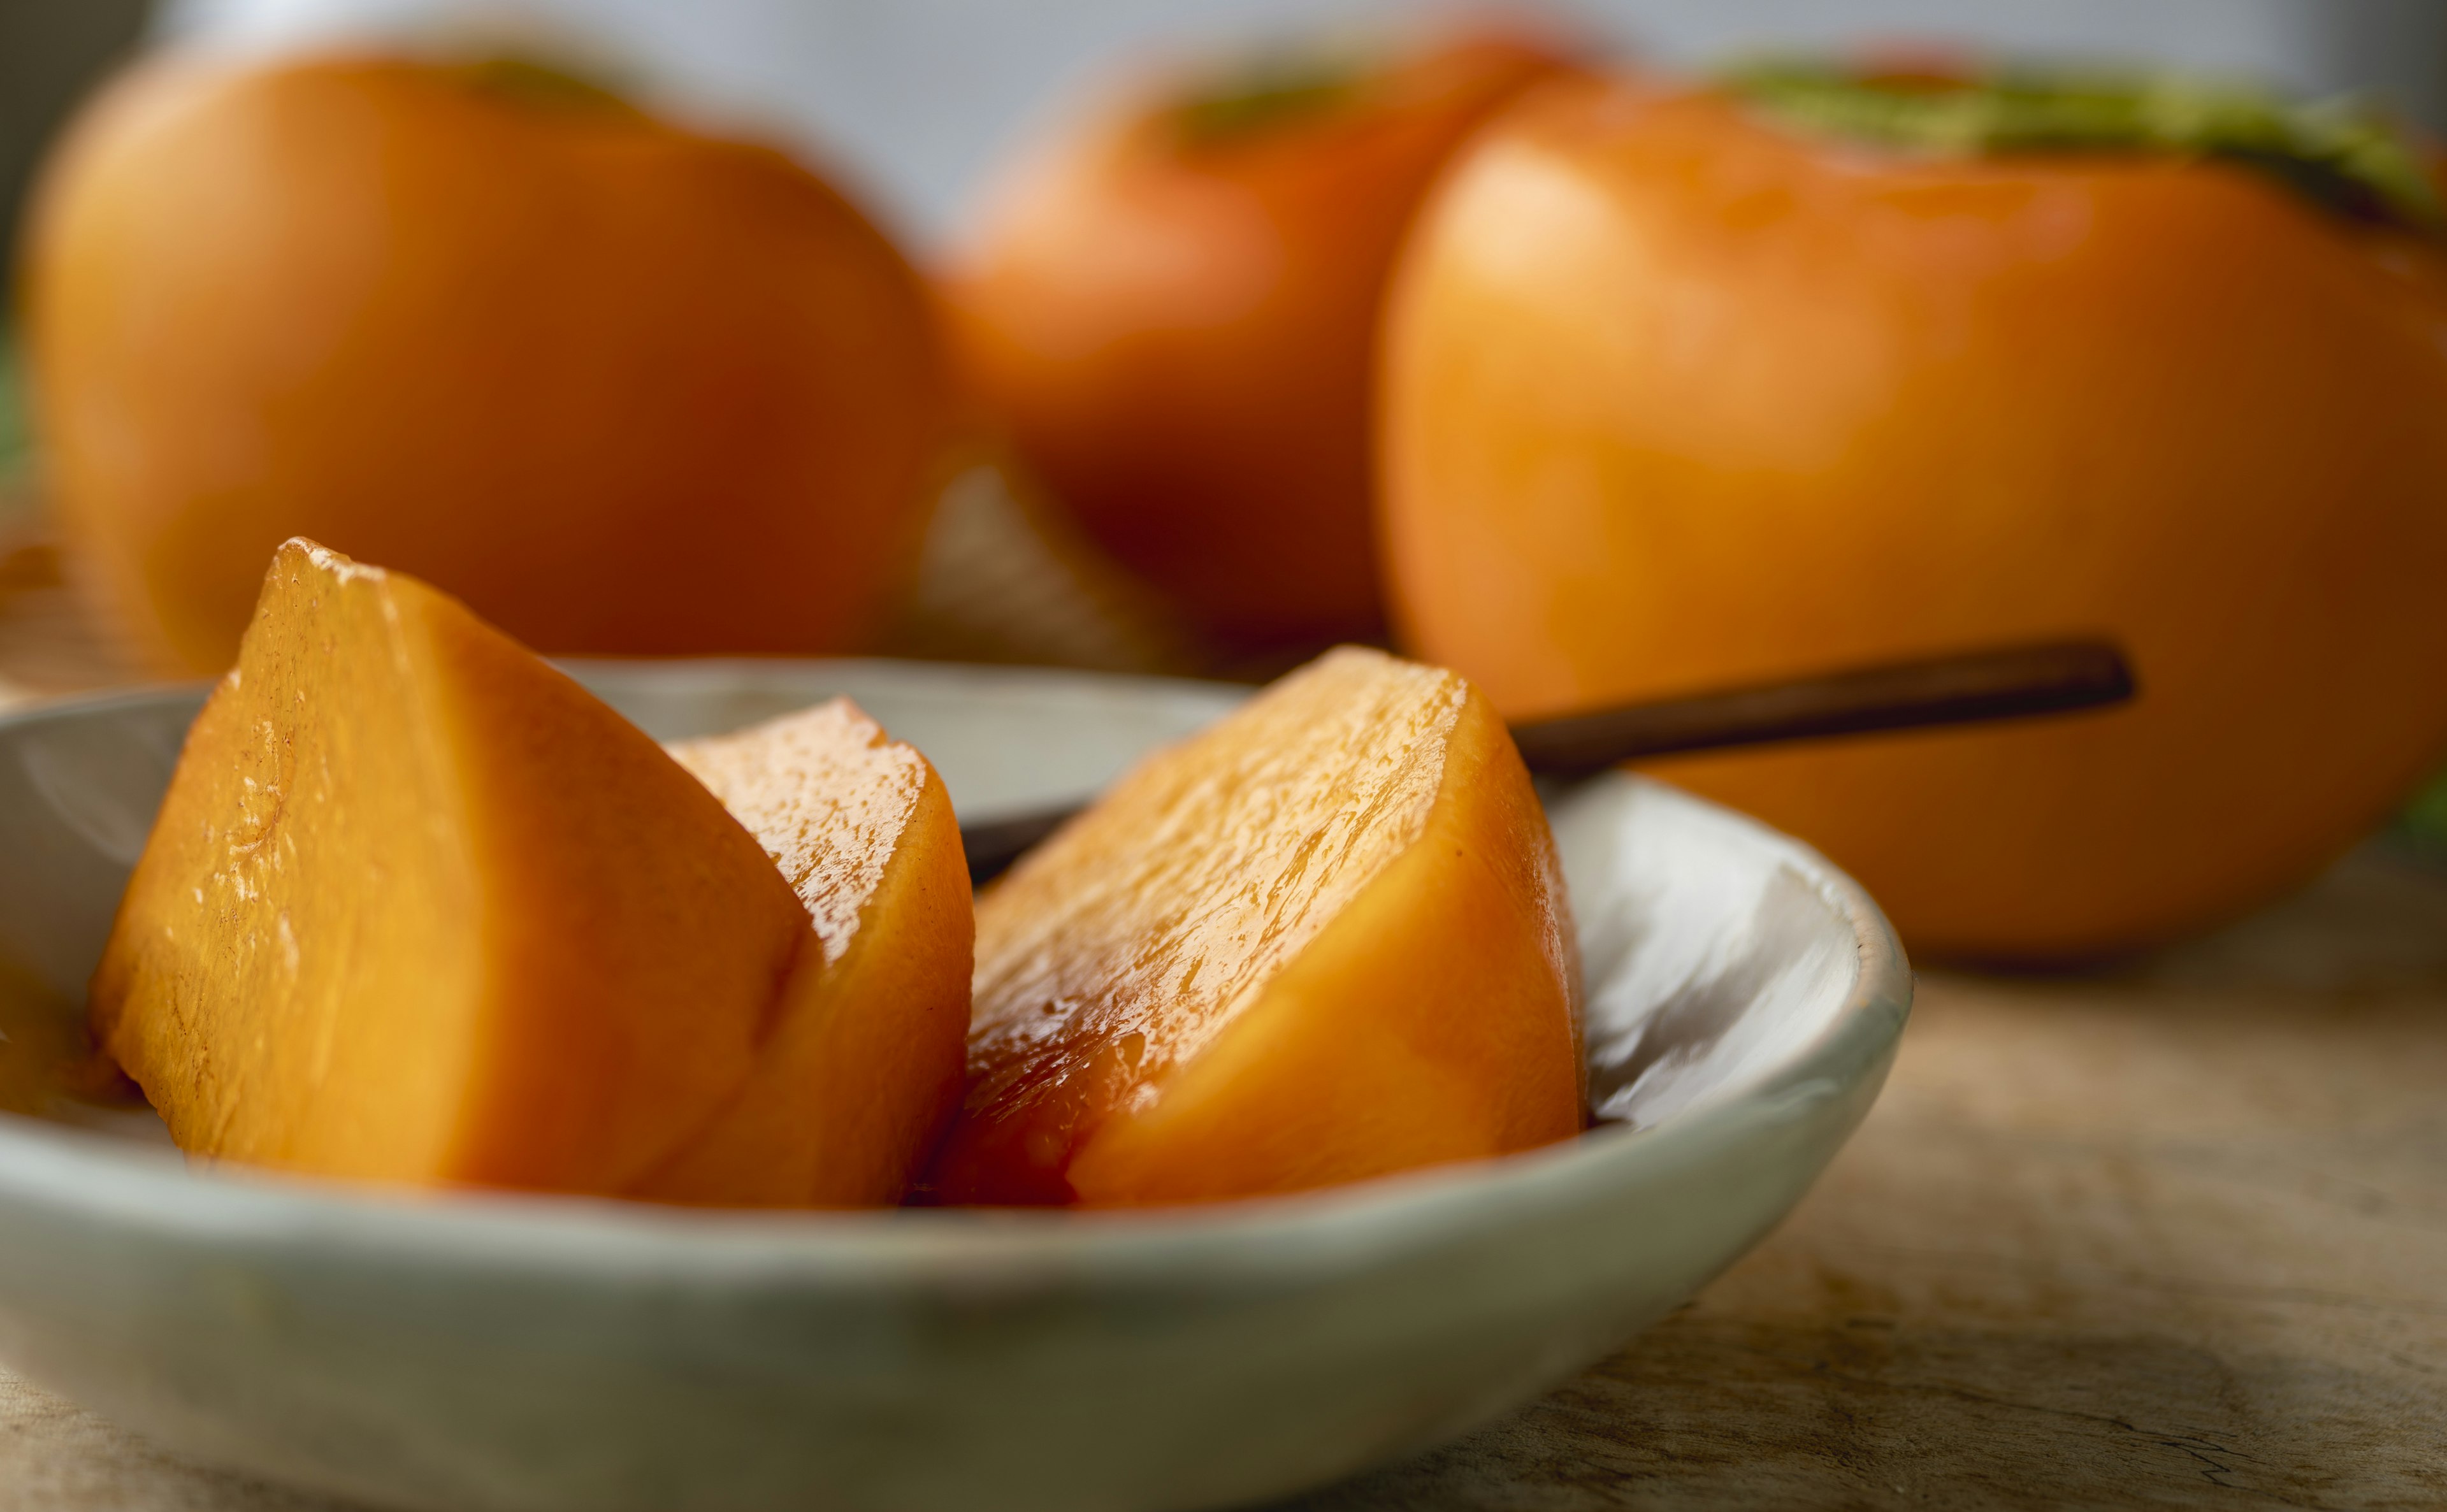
(1972, 687)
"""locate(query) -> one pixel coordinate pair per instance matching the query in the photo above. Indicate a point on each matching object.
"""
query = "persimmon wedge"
(1324, 940)
(419, 909)
(864, 1067)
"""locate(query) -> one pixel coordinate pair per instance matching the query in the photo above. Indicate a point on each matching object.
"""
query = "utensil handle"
(2015, 682)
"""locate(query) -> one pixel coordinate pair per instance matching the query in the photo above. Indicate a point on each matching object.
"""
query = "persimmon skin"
(1179, 334)
(1675, 399)
(620, 386)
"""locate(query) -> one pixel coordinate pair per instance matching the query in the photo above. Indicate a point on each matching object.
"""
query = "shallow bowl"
(529, 1354)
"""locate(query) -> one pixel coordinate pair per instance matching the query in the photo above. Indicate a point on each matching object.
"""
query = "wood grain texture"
(54, 1458)
(2175, 1237)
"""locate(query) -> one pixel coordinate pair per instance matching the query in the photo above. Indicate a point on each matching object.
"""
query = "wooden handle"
(2017, 682)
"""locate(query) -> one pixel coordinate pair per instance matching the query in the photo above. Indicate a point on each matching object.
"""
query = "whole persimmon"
(621, 385)
(1172, 306)
(1692, 385)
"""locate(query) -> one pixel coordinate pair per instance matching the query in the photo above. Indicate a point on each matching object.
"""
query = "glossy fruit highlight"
(1323, 940)
(860, 1069)
(418, 909)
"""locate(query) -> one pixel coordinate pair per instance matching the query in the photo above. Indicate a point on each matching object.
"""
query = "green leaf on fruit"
(2426, 823)
(2343, 155)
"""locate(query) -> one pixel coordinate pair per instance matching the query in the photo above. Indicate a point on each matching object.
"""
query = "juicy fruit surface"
(1146, 1025)
(863, 1064)
(619, 386)
(1675, 399)
(827, 795)
(1235, 862)
(1178, 320)
(418, 908)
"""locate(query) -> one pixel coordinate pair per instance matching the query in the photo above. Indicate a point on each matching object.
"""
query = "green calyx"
(2342, 154)
(2424, 824)
(549, 87)
(16, 436)
(1265, 94)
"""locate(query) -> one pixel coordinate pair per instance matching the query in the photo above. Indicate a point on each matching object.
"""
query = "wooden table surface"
(2170, 1235)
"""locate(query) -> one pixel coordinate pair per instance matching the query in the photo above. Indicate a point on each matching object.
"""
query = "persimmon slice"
(1324, 940)
(864, 1067)
(419, 908)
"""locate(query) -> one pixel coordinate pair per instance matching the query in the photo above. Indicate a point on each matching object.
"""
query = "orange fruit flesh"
(865, 1063)
(418, 908)
(1322, 941)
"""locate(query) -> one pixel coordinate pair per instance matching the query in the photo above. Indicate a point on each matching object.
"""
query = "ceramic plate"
(473, 1354)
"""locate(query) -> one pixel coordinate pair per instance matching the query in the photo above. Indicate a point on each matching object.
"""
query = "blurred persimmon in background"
(1172, 306)
(621, 386)
(1695, 386)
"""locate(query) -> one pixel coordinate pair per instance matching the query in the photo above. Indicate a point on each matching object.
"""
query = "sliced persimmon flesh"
(1324, 940)
(864, 1067)
(419, 908)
